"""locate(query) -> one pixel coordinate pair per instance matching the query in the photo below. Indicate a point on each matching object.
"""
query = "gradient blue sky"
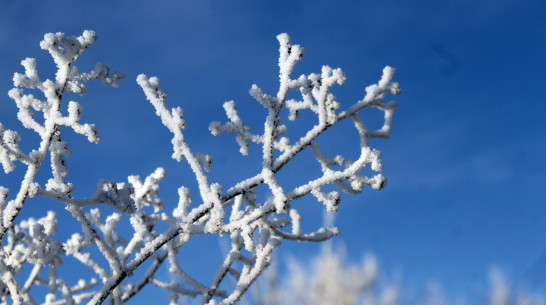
(466, 163)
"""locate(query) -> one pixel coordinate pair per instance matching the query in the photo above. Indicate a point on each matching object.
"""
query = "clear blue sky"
(466, 163)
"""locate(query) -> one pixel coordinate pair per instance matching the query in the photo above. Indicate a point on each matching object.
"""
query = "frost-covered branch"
(249, 217)
(257, 220)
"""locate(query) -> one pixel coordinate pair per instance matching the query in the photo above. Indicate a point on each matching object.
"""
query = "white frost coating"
(4, 192)
(259, 218)
(183, 204)
(101, 72)
(216, 219)
(330, 200)
(296, 222)
(235, 126)
(65, 51)
(30, 79)
(279, 198)
(146, 194)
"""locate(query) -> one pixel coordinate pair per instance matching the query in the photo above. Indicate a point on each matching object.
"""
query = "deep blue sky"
(466, 161)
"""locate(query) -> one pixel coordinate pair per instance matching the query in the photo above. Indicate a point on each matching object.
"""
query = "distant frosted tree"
(502, 294)
(30, 254)
(328, 280)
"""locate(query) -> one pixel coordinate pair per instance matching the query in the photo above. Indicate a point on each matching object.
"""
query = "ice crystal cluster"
(256, 224)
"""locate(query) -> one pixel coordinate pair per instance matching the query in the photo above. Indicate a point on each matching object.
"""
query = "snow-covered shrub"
(256, 226)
